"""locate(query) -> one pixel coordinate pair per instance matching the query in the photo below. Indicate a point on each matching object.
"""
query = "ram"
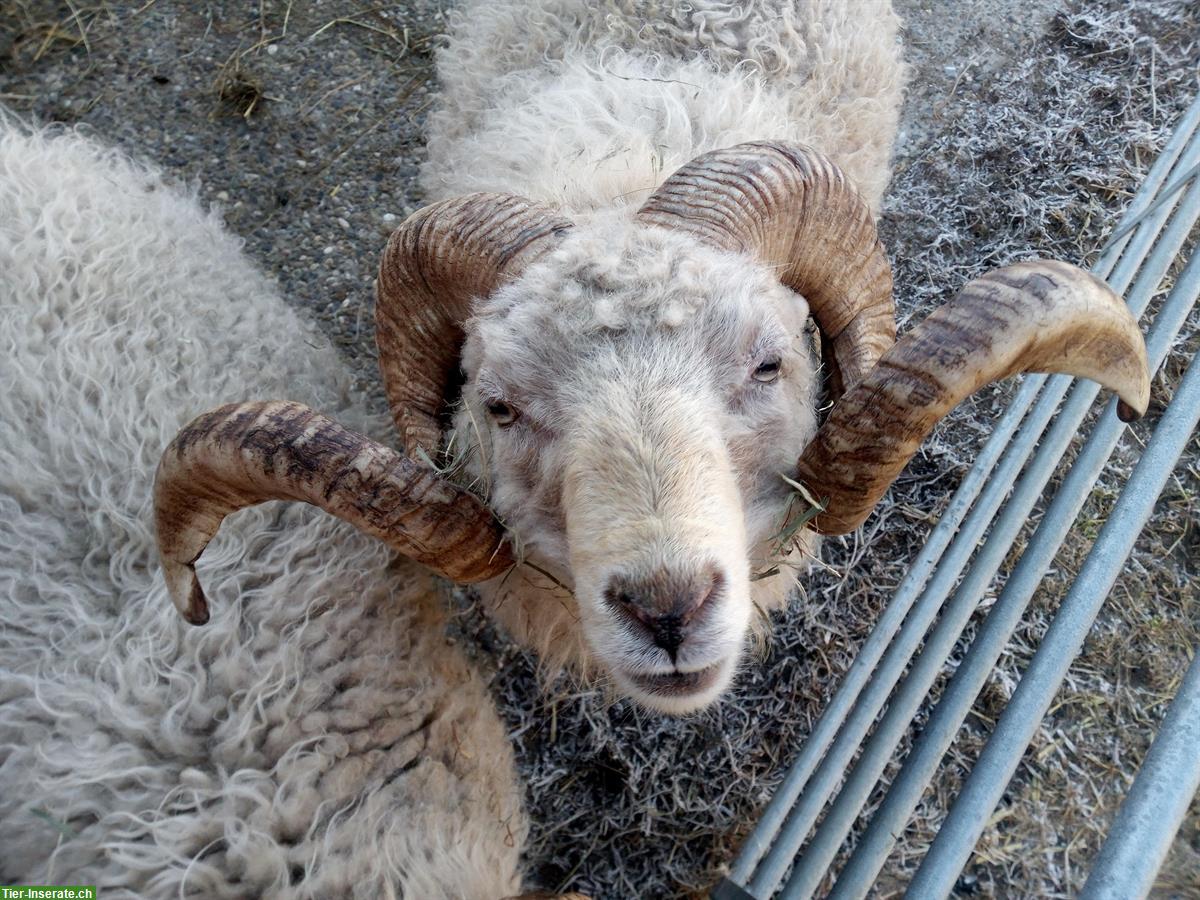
(323, 738)
(651, 264)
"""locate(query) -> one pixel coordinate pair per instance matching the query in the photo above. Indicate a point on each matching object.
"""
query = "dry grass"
(33, 30)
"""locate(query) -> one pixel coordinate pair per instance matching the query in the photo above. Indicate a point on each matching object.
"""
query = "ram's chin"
(677, 693)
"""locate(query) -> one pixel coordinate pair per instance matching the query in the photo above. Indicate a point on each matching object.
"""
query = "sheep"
(650, 262)
(323, 737)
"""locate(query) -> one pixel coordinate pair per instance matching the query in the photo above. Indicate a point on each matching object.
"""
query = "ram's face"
(633, 400)
(635, 390)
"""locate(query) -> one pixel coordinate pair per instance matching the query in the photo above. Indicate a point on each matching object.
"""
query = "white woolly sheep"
(640, 406)
(322, 737)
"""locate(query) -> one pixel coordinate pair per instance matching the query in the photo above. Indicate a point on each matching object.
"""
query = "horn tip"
(1133, 401)
(186, 593)
(1127, 413)
(196, 612)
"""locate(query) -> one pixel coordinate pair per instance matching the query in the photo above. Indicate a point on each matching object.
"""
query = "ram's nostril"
(640, 607)
(667, 604)
(625, 602)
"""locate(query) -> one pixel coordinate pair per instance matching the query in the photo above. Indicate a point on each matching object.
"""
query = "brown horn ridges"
(1031, 317)
(248, 453)
(436, 263)
(796, 211)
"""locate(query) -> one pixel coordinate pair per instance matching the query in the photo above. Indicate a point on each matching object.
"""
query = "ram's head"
(640, 404)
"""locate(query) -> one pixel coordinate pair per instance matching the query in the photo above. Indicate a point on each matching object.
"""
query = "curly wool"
(320, 737)
(589, 107)
(592, 105)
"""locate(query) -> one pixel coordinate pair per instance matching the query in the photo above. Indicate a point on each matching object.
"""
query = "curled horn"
(794, 210)
(1030, 317)
(437, 263)
(248, 453)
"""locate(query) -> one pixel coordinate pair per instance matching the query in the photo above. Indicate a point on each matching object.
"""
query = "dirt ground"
(1027, 127)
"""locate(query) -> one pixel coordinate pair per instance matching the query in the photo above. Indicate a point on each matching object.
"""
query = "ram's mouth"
(677, 684)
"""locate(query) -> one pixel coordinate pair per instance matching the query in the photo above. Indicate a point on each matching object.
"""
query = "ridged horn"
(437, 262)
(247, 453)
(1030, 317)
(794, 210)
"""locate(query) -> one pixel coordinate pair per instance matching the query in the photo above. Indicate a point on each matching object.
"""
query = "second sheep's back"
(592, 105)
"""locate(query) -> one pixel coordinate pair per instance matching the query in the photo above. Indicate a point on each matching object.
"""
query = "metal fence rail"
(1149, 239)
(1157, 802)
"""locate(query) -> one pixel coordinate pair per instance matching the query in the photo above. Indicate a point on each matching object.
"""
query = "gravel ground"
(1026, 129)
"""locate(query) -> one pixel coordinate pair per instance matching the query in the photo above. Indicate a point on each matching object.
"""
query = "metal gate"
(787, 841)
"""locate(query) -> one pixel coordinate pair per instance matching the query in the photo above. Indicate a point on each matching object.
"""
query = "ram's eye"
(501, 412)
(767, 371)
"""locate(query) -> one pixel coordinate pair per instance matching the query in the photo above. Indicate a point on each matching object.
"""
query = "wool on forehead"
(609, 277)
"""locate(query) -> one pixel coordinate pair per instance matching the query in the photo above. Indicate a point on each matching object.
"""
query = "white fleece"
(593, 104)
(319, 737)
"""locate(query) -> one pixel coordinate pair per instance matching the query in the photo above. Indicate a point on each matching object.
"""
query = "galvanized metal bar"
(954, 617)
(832, 767)
(986, 784)
(811, 866)
(956, 701)
(1154, 808)
(835, 762)
(907, 699)
(1148, 196)
(1126, 252)
(847, 693)
(1166, 195)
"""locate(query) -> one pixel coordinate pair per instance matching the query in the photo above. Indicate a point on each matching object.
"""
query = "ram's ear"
(1029, 317)
(436, 265)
